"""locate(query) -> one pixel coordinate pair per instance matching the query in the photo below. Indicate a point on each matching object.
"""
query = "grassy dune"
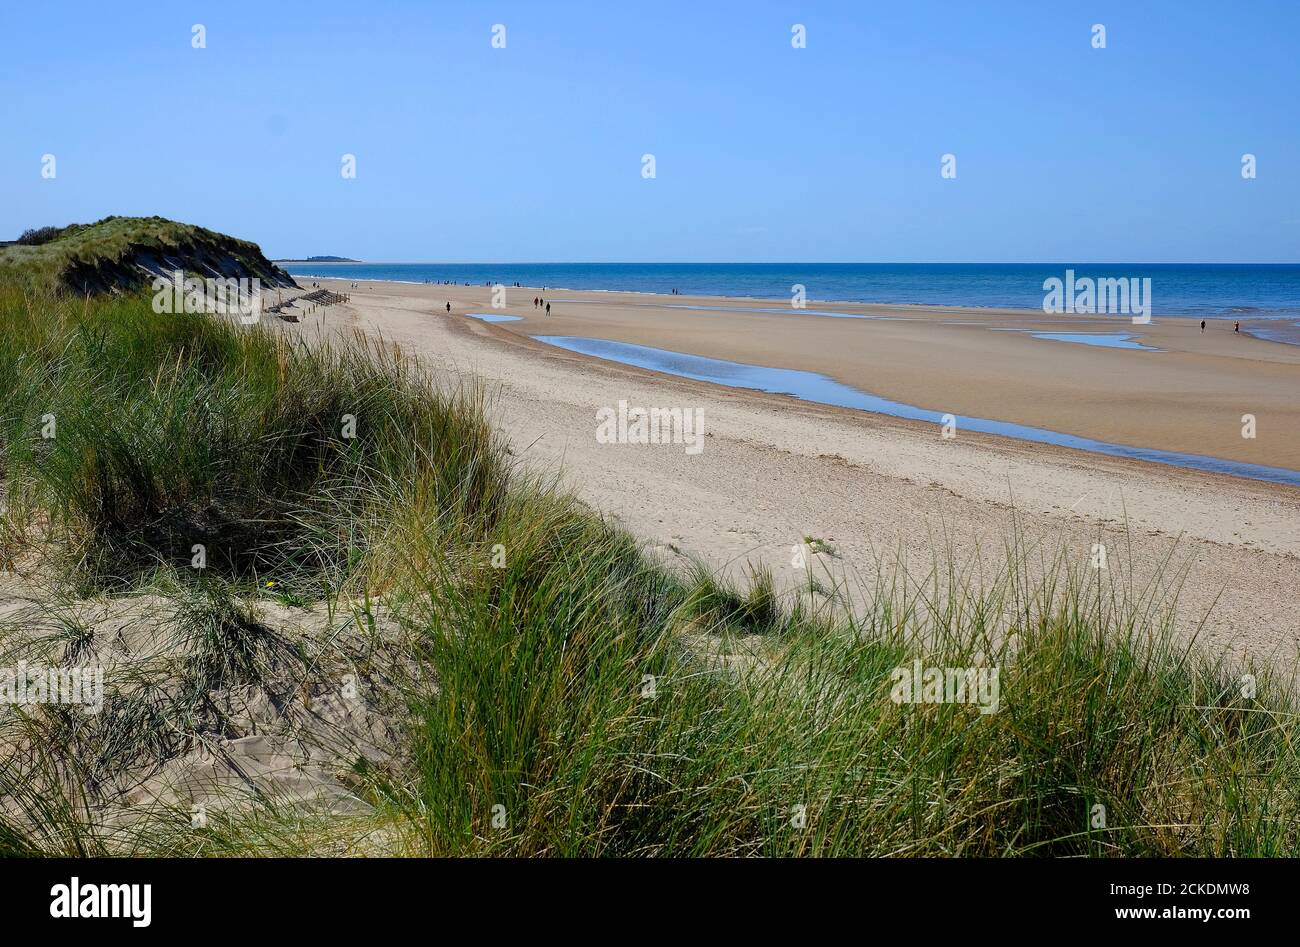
(547, 688)
(122, 253)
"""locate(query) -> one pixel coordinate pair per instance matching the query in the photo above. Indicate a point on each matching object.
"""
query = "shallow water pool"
(811, 386)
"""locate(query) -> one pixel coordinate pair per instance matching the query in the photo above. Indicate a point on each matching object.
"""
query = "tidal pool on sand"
(494, 317)
(810, 386)
(1107, 340)
(1287, 334)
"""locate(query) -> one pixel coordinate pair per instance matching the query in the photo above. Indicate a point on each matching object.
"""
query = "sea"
(1196, 291)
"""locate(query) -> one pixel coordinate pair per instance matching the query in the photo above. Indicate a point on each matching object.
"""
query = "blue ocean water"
(1210, 291)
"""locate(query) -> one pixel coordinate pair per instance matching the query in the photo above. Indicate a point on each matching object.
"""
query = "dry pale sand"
(775, 470)
(288, 737)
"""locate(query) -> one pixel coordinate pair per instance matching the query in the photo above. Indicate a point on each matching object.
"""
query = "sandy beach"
(775, 470)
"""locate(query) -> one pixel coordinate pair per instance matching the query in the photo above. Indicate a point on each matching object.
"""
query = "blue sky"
(763, 152)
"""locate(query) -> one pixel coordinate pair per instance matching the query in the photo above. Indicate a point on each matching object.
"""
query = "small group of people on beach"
(538, 303)
(1236, 326)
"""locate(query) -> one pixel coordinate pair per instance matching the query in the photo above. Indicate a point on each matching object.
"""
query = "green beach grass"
(105, 255)
(554, 691)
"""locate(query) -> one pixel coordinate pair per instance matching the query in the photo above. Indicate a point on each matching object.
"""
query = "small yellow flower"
(270, 585)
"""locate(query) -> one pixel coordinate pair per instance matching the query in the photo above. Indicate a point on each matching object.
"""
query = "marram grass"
(560, 694)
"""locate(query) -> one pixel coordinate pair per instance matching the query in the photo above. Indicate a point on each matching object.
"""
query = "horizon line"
(780, 262)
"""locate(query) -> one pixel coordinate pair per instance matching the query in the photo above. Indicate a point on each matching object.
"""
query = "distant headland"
(318, 259)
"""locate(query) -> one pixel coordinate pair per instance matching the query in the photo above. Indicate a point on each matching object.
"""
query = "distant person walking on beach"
(449, 307)
(1236, 327)
(548, 309)
(1202, 327)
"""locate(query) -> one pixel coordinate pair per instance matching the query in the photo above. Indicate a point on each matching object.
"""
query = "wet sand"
(775, 470)
(1189, 397)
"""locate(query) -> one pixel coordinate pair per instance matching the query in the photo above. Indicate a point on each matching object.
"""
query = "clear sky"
(763, 152)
